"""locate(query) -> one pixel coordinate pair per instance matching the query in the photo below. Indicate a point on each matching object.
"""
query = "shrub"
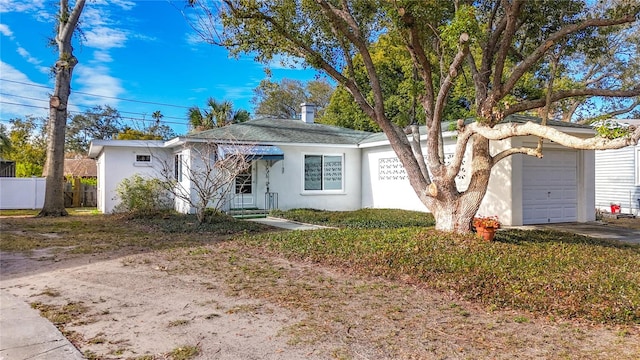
(141, 196)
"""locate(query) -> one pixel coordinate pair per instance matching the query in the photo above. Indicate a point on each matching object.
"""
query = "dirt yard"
(236, 302)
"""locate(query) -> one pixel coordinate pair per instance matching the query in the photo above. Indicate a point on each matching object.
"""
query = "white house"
(302, 164)
(618, 177)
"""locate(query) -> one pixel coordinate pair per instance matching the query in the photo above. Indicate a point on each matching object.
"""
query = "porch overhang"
(252, 152)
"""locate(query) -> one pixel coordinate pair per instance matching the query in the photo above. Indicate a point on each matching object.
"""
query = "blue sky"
(143, 51)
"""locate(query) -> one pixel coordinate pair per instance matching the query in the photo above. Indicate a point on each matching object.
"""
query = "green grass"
(546, 272)
(34, 212)
(359, 219)
(108, 233)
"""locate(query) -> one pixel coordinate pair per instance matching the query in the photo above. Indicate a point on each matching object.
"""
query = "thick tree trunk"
(54, 166)
(454, 210)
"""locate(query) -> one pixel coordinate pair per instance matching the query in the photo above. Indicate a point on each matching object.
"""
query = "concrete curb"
(25, 334)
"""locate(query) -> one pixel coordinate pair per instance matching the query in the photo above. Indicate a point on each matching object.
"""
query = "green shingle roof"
(517, 119)
(268, 130)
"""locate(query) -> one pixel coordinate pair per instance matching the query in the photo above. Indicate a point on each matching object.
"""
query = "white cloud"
(4, 30)
(27, 97)
(32, 60)
(96, 81)
(233, 92)
(93, 17)
(124, 4)
(25, 54)
(105, 38)
(102, 56)
(21, 6)
(282, 62)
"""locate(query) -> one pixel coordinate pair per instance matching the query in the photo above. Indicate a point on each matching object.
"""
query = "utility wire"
(101, 96)
(86, 106)
(79, 112)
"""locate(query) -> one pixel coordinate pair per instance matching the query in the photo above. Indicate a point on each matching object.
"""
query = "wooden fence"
(77, 194)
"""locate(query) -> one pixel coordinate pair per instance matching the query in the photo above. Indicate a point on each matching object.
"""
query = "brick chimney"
(308, 112)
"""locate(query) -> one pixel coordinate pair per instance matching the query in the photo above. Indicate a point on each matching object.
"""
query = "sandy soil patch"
(235, 302)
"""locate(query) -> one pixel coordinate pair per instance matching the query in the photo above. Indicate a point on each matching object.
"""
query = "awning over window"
(252, 152)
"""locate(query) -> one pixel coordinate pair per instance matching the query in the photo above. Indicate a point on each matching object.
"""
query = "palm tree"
(217, 114)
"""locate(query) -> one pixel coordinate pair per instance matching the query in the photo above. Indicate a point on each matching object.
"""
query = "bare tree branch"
(564, 94)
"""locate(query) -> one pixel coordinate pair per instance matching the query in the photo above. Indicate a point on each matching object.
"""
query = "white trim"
(637, 165)
(323, 192)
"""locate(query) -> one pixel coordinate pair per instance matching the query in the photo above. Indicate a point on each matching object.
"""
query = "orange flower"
(486, 222)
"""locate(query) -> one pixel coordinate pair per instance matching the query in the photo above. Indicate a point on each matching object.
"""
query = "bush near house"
(142, 196)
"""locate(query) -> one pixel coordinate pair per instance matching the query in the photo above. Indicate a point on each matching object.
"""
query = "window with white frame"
(143, 159)
(323, 172)
(178, 167)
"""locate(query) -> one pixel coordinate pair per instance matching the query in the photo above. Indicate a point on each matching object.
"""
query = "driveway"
(596, 229)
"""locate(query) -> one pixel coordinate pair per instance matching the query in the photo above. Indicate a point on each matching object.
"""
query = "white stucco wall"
(504, 183)
(386, 188)
(504, 193)
(116, 163)
(286, 177)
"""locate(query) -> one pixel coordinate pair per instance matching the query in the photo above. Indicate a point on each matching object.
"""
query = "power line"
(85, 106)
(101, 96)
(79, 112)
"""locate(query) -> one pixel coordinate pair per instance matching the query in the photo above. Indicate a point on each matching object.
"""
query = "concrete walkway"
(594, 229)
(24, 334)
(287, 224)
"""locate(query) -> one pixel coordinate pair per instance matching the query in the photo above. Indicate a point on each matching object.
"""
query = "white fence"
(22, 193)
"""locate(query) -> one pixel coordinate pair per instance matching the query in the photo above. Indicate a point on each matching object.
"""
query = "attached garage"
(550, 188)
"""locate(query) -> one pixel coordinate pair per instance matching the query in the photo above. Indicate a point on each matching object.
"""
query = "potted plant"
(486, 226)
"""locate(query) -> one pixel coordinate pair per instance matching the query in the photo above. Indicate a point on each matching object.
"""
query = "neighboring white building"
(302, 164)
(618, 177)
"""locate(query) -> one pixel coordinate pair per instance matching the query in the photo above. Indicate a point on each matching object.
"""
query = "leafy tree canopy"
(28, 148)
(97, 123)
(282, 99)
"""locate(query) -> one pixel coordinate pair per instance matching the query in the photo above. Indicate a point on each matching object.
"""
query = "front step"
(248, 213)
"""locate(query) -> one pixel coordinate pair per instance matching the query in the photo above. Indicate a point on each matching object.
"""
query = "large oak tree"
(499, 44)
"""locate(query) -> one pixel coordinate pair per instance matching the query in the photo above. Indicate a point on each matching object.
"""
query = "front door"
(244, 196)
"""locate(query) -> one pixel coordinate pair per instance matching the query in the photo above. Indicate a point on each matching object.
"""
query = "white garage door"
(550, 188)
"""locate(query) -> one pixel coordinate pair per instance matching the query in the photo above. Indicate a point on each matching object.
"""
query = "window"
(323, 172)
(143, 158)
(243, 182)
(178, 167)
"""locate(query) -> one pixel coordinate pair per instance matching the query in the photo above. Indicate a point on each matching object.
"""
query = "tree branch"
(511, 15)
(537, 54)
(537, 103)
(512, 151)
(505, 131)
(458, 155)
